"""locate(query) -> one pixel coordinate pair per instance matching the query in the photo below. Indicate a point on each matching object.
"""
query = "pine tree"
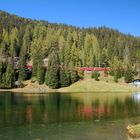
(40, 69)
(64, 78)
(74, 76)
(67, 53)
(14, 41)
(129, 74)
(9, 82)
(74, 55)
(23, 57)
(86, 51)
(22, 65)
(62, 44)
(1, 73)
(116, 69)
(52, 74)
(96, 51)
(35, 57)
(10, 77)
(41, 75)
(5, 43)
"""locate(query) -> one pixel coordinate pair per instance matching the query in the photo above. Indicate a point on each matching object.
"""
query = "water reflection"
(136, 96)
(19, 109)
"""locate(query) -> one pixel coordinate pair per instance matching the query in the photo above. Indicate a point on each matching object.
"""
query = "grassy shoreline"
(88, 85)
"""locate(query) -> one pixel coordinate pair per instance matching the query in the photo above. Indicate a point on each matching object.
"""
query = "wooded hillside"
(25, 42)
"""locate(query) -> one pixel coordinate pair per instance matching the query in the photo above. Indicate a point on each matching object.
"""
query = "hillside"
(25, 44)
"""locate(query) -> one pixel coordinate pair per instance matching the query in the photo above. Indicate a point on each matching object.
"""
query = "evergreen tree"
(116, 69)
(22, 65)
(96, 52)
(35, 58)
(52, 74)
(86, 51)
(129, 74)
(9, 82)
(67, 55)
(74, 55)
(14, 42)
(62, 44)
(40, 69)
(64, 78)
(1, 73)
(41, 75)
(74, 76)
(23, 57)
(5, 43)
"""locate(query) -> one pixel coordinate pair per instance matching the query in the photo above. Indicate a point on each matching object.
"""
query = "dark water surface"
(73, 116)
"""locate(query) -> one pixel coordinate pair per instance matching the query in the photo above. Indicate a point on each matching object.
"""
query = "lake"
(71, 116)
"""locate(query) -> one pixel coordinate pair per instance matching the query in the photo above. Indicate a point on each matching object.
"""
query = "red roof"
(29, 67)
(94, 69)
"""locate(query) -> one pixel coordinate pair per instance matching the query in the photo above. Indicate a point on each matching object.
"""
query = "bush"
(20, 84)
(96, 75)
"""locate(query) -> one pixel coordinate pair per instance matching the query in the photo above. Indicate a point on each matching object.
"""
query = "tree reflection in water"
(17, 109)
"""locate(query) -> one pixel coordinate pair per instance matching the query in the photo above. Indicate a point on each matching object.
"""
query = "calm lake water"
(73, 116)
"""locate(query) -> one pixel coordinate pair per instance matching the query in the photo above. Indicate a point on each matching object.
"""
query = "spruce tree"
(129, 74)
(5, 43)
(9, 82)
(40, 68)
(40, 75)
(35, 60)
(22, 66)
(74, 76)
(52, 74)
(64, 78)
(23, 58)
(1, 73)
(14, 41)
(62, 44)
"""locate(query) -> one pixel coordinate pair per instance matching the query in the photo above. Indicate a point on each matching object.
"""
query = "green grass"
(91, 85)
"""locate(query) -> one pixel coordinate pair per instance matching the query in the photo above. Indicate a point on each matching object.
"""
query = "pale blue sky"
(123, 15)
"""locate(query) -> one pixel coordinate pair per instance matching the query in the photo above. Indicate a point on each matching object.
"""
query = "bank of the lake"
(88, 85)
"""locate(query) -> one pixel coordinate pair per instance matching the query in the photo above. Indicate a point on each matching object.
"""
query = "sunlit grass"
(91, 85)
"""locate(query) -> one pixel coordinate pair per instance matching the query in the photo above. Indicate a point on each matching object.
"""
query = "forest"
(26, 42)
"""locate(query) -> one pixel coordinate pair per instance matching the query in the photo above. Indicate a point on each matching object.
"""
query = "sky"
(123, 15)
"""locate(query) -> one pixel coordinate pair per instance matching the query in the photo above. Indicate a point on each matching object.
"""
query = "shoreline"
(82, 86)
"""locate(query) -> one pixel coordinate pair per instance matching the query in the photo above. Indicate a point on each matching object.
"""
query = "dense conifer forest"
(52, 53)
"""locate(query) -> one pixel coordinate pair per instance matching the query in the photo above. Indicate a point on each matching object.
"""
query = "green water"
(73, 116)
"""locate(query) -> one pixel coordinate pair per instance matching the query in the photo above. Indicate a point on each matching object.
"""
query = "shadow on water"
(81, 116)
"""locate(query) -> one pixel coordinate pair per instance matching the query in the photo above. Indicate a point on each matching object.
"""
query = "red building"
(94, 69)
